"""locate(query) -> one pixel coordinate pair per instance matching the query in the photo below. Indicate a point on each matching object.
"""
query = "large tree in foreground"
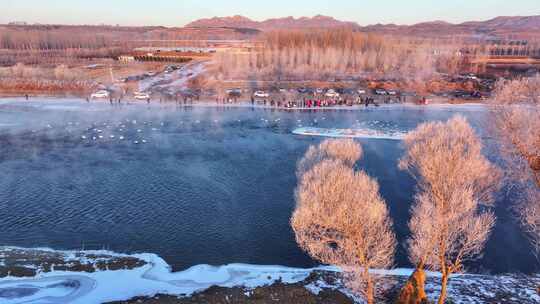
(516, 111)
(454, 178)
(341, 219)
(344, 150)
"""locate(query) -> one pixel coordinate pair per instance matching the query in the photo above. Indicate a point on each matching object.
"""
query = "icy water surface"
(194, 184)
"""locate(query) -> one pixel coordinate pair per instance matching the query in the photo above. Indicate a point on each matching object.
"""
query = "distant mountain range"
(237, 21)
(496, 26)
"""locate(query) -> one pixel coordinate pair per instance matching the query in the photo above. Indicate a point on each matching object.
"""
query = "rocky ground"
(307, 291)
(277, 293)
(325, 288)
(18, 262)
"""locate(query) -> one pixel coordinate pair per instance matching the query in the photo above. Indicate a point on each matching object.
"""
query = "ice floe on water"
(350, 133)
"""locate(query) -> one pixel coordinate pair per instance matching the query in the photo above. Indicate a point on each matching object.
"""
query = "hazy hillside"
(497, 27)
(318, 21)
(504, 22)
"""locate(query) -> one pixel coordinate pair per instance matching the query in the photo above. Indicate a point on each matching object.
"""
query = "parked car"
(381, 92)
(209, 92)
(171, 68)
(319, 91)
(471, 77)
(100, 94)
(261, 94)
(233, 91)
(361, 91)
(346, 91)
(135, 78)
(476, 94)
(141, 95)
(461, 94)
(189, 93)
(392, 92)
(331, 93)
(95, 66)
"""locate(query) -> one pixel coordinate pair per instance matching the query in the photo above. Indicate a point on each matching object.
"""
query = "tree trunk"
(413, 291)
(370, 292)
(444, 283)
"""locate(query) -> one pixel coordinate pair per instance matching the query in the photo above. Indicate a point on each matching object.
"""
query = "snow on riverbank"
(150, 279)
(101, 285)
(154, 277)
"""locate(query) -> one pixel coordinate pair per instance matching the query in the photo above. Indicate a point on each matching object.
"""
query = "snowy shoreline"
(148, 280)
(155, 277)
(245, 104)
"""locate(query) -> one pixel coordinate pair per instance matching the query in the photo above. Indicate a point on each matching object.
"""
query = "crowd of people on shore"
(320, 102)
(304, 102)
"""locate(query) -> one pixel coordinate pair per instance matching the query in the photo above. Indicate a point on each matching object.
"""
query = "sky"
(181, 12)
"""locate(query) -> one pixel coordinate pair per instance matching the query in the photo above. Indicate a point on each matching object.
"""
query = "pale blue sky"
(180, 12)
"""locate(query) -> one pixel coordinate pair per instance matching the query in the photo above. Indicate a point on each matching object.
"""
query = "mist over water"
(194, 184)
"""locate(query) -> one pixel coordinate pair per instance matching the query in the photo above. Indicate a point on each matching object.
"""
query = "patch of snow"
(314, 288)
(406, 272)
(154, 277)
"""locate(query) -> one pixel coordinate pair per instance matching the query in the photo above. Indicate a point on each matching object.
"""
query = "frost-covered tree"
(448, 227)
(341, 219)
(516, 112)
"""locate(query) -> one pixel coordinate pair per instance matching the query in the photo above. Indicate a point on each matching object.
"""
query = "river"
(200, 184)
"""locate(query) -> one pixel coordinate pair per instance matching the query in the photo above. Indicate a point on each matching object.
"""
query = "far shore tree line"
(52, 40)
(341, 219)
(318, 54)
(25, 79)
(47, 45)
(401, 63)
(66, 44)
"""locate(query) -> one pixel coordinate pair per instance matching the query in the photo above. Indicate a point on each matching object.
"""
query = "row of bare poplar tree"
(318, 54)
(341, 219)
(62, 44)
(51, 39)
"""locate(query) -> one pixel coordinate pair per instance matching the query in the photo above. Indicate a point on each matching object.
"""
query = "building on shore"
(126, 58)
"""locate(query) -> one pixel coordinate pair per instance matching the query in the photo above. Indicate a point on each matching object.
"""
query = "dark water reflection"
(194, 185)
